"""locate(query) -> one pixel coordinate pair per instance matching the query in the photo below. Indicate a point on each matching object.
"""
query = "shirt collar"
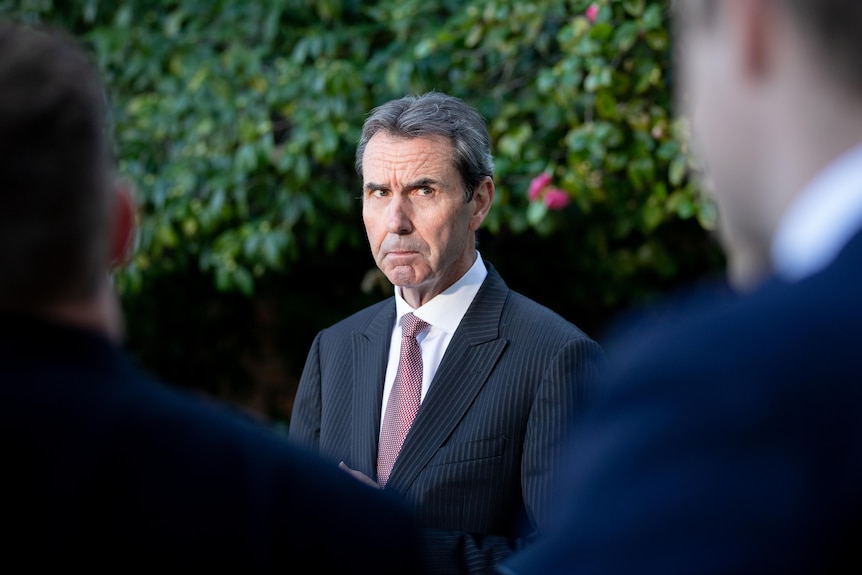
(821, 220)
(446, 309)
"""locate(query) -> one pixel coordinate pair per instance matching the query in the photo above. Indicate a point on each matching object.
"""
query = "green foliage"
(237, 121)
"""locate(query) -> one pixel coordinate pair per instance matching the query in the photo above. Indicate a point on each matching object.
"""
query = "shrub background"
(237, 121)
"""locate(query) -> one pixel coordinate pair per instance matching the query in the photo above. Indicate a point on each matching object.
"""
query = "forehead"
(406, 158)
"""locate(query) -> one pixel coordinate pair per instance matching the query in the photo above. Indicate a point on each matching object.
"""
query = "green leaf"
(625, 36)
(606, 105)
(652, 18)
(677, 170)
(634, 7)
(536, 212)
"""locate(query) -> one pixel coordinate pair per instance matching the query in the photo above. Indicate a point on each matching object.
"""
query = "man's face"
(718, 97)
(421, 232)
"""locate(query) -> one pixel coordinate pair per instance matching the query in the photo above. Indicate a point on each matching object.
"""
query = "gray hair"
(436, 114)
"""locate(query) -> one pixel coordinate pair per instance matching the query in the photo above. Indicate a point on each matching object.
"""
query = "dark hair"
(436, 114)
(833, 27)
(53, 168)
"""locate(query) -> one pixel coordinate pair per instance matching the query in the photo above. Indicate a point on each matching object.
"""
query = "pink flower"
(556, 199)
(592, 12)
(538, 184)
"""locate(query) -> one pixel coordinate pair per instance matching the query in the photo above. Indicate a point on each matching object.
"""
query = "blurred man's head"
(57, 210)
(774, 91)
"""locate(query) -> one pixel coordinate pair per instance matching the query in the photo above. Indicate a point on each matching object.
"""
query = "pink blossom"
(592, 12)
(556, 199)
(538, 184)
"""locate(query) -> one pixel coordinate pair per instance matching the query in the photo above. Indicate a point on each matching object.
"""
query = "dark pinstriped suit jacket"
(478, 463)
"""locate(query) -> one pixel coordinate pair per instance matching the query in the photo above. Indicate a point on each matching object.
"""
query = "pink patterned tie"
(403, 399)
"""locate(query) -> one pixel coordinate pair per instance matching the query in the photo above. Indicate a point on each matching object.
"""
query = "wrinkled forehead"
(388, 156)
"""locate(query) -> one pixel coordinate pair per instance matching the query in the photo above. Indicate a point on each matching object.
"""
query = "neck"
(100, 313)
(811, 120)
(420, 295)
(747, 268)
(815, 119)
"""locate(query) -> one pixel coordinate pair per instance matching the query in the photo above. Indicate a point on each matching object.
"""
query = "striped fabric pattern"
(483, 452)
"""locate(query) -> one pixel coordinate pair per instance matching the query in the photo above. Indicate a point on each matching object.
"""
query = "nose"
(398, 216)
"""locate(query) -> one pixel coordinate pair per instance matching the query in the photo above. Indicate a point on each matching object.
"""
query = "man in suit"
(729, 438)
(104, 469)
(501, 376)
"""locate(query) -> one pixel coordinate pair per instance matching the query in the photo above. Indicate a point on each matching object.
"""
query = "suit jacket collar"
(821, 219)
(466, 365)
(849, 257)
(370, 355)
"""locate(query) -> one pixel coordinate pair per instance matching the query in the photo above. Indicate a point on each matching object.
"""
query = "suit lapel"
(464, 369)
(370, 355)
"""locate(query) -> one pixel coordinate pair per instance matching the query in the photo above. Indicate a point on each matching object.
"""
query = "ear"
(483, 197)
(123, 226)
(753, 21)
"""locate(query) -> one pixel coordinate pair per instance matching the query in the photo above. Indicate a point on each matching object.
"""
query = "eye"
(424, 191)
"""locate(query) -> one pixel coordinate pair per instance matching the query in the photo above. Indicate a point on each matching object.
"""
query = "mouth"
(399, 255)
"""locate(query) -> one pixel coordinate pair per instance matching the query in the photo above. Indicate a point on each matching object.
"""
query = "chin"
(401, 277)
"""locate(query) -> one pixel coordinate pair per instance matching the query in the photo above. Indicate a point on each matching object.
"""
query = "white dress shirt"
(444, 313)
(821, 220)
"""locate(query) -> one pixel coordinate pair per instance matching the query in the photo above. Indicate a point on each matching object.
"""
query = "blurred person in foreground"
(103, 468)
(729, 439)
(500, 377)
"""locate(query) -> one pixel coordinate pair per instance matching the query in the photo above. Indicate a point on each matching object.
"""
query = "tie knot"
(411, 325)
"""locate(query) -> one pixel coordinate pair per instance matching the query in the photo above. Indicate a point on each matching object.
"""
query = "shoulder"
(374, 319)
(520, 313)
(523, 319)
(781, 337)
(223, 487)
(173, 429)
(674, 322)
(238, 482)
(712, 392)
(186, 421)
(363, 318)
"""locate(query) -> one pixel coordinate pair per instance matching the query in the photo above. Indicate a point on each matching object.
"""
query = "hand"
(359, 475)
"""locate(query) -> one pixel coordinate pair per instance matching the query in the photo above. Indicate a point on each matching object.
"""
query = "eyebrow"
(420, 183)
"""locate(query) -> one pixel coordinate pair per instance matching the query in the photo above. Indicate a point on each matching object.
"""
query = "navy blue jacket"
(108, 471)
(726, 439)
